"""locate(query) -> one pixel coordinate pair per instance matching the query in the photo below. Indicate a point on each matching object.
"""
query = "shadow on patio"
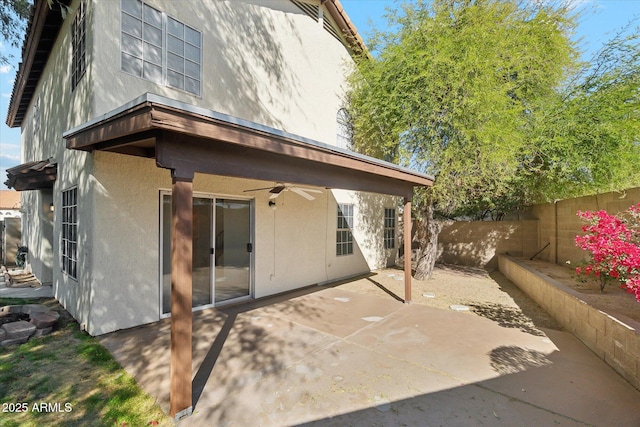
(328, 355)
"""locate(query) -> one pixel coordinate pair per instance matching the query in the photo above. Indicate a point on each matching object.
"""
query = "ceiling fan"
(280, 187)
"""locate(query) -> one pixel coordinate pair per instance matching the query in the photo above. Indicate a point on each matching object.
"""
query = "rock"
(42, 320)
(11, 309)
(3, 334)
(41, 332)
(14, 341)
(19, 329)
(33, 309)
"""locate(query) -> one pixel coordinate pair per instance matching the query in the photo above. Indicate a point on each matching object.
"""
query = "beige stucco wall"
(263, 61)
(57, 108)
(294, 244)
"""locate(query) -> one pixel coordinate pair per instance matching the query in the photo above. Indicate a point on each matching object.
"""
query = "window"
(70, 232)
(389, 228)
(344, 237)
(344, 132)
(183, 57)
(160, 49)
(78, 37)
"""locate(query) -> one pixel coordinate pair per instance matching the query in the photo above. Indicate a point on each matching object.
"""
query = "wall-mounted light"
(272, 204)
(51, 207)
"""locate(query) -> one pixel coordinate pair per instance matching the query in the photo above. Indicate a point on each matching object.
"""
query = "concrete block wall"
(478, 243)
(559, 224)
(616, 340)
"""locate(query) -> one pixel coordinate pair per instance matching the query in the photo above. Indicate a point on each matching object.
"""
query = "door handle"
(249, 247)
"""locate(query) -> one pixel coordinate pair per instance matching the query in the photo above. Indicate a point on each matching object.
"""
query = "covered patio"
(332, 355)
(186, 140)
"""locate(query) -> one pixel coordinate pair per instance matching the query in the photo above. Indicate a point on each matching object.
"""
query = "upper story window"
(79, 49)
(159, 48)
(344, 131)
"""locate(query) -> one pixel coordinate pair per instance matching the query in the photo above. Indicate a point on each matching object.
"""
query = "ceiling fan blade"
(309, 190)
(258, 189)
(302, 193)
(277, 189)
(274, 196)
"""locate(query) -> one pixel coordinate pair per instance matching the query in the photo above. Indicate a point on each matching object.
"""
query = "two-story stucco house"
(195, 153)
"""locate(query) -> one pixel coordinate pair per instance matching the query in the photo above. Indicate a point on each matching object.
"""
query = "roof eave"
(41, 17)
(339, 15)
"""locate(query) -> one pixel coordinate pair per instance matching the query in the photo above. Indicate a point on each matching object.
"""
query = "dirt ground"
(488, 294)
(614, 300)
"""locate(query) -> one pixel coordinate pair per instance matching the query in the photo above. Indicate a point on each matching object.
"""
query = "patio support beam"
(407, 249)
(181, 293)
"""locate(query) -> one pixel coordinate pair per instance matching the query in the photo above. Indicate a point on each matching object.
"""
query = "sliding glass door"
(222, 248)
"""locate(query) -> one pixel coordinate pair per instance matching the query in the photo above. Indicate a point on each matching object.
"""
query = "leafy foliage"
(587, 139)
(454, 93)
(13, 15)
(489, 97)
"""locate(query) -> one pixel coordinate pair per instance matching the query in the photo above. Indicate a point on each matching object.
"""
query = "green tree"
(588, 138)
(456, 91)
(13, 16)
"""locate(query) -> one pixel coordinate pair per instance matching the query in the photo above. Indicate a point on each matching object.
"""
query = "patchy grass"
(67, 378)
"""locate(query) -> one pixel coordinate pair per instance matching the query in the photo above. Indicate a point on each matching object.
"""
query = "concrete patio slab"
(334, 311)
(327, 356)
(44, 291)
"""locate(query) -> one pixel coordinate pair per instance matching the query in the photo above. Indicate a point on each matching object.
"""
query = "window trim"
(164, 50)
(344, 225)
(389, 228)
(79, 45)
(69, 233)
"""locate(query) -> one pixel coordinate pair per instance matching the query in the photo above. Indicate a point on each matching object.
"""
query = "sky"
(600, 21)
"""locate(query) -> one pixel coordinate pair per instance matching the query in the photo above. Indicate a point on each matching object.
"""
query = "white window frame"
(69, 232)
(389, 228)
(344, 236)
(148, 48)
(79, 45)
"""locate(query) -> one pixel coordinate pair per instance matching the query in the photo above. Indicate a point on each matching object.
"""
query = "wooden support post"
(407, 250)
(181, 294)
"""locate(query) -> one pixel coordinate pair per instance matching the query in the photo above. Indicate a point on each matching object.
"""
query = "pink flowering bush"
(614, 244)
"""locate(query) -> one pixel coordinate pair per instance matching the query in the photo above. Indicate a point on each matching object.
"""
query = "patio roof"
(32, 175)
(187, 140)
(182, 136)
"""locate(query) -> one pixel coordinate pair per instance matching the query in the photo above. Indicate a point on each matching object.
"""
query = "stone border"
(616, 340)
(41, 322)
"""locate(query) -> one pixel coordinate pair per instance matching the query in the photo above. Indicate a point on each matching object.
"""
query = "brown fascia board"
(34, 32)
(349, 30)
(20, 96)
(32, 54)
